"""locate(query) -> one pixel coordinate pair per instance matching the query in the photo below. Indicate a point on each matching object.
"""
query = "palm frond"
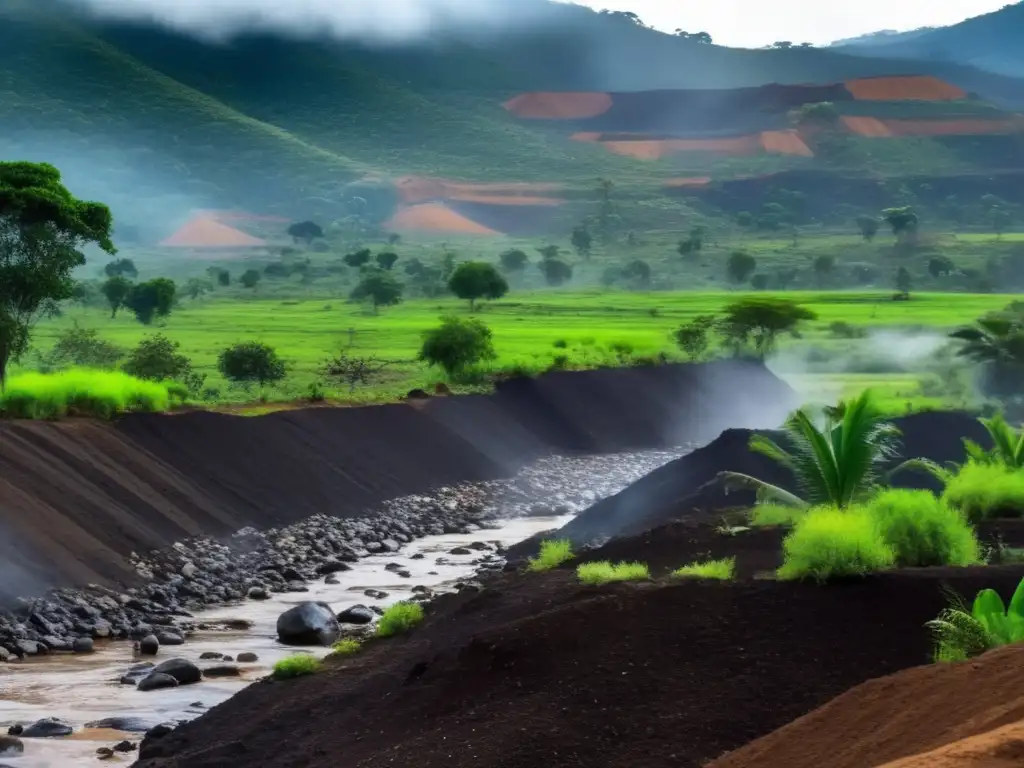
(936, 470)
(814, 462)
(766, 492)
(767, 447)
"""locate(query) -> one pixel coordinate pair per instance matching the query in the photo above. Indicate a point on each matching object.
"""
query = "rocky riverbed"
(408, 549)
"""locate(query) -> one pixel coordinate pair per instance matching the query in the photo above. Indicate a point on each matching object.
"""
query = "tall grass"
(400, 617)
(553, 552)
(829, 542)
(722, 570)
(82, 392)
(922, 529)
(605, 572)
(982, 491)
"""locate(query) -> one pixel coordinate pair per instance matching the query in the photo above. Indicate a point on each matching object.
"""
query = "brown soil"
(876, 128)
(906, 714)
(537, 670)
(559, 106)
(999, 748)
(419, 189)
(204, 232)
(657, 149)
(435, 217)
(913, 88)
(785, 143)
(685, 182)
(79, 496)
(867, 126)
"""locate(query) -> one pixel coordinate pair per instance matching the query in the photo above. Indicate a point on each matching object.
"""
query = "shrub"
(347, 647)
(297, 665)
(829, 542)
(251, 362)
(982, 491)
(102, 394)
(723, 570)
(923, 530)
(80, 347)
(380, 288)
(605, 572)
(151, 300)
(770, 515)
(157, 358)
(457, 344)
(960, 634)
(553, 552)
(400, 617)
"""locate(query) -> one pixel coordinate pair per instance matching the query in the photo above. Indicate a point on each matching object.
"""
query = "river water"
(82, 689)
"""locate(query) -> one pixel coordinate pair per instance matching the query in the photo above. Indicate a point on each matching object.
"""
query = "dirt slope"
(999, 748)
(536, 670)
(79, 496)
(905, 714)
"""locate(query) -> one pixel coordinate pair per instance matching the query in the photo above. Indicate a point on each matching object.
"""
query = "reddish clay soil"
(420, 189)
(206, 232)
(538, 670)
(435, 217)
(913, 88)
(876, 128)
(907, 714)
(785, 143)
(559, 106)
(657, 149)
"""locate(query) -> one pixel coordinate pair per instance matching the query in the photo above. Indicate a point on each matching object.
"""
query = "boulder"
(222, 670)
(356, 614)
(248, 658)
(128, 724)
(48, 727)
(155, 681)
(258, 593)
(149, 645)
(11, 746)
(82, 645)
(170, 638)
(182, 670)
(332, 566)
(307, 624)
(210, 655)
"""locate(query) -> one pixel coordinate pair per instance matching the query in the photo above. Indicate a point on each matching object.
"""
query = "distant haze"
(380, 20)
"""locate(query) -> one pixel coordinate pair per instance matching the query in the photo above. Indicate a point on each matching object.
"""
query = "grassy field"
(588, 328)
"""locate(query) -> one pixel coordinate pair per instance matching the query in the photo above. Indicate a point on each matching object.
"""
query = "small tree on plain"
(251, 362)
(475, 280)
(903, 281)
(694, 337)
(352, 370)
(152, 299)
(386, 260)
(740, 266)
(638, 272)
(357, 259)
(868, 226)
(514, 260)
(824, 266)
(941, 266)
(556, 272)
(250, 278)
(549, 252)
(457, 344)
(582, 241)
(305, 231)
(115, 291)
(380, 288)
(903, 221)
(121, 268)
(158, 358)
(759, 322)
(196, 287)
(81, 347)
(220, 275)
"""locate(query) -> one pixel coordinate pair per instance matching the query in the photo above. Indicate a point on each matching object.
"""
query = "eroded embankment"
(78, 497)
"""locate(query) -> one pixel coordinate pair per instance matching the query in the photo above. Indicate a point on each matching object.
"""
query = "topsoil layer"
(77, 497)
(537, 670)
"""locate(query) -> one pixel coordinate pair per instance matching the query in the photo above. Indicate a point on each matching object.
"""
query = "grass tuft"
(775, 515)
(605, 572)
(829, 543)
(347, 647)
(923, 530)
(723, 570)
(553, 553)
(983, 491)
(399, 618)
(83, 392)
(298, 665)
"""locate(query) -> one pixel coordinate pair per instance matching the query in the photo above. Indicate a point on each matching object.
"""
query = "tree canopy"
(475, 280)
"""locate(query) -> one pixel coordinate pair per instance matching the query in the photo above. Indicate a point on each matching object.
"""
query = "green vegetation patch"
(347, 647)
(961, 633)
(399, 618)
(984, 491)
(829, 543)
(604, 572)
(82, 392)
(553, 552)
(923, 530)
(770, 515)
(722, 570)
(298, 665)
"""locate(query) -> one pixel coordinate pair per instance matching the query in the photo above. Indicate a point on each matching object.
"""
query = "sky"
(754, 23)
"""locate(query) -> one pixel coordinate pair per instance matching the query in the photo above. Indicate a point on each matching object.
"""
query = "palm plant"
(837, 465)
(1008, 444)
(996, 341)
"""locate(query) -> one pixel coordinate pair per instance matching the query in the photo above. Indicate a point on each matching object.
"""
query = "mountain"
(881, 37)
(158, 123)
(991, 42)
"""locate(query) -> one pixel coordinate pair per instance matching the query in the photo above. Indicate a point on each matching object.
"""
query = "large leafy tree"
(837, 464)
(759, 323)
(43, 228)
(996, 342)
(475, 280)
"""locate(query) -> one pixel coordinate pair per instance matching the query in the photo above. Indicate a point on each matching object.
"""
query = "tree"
(152, 299)
(196, 287)
(357, 259)
(941, 266)
(394, 239)
(839, 464)
(697, 37)
(693, 244)
(43, 228)
(868, 226)
(350, 370)
(305, 231)
(759, 282)
(115, 290)
(514, 260)
(556, 272)
(582, 241)
(996, 343)
(760, 322)
(221, 275)
(740, 266)
(903, 281)
(694, 337)
(474, 280)
(824, 266)
(80, 347)
(250, 278)
(121, 268)
(549, 252)
(386, 260)
(782, 44)
(457, 344)
(157, 358)
(999, 218)
(903, 221)
(251, 362)
(638, 272)
(380, 287)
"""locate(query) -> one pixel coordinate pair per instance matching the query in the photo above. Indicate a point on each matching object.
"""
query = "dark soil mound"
(687, 487)
(79, 496)
(897, 716)
(536, 670)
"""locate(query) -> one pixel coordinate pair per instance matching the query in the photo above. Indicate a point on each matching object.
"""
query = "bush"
(457, 344)
(80, 347)
(723, 570)
(151, 300)
(828, 542)
(605, 572)
(157, 358)
(771, 515)
(961, 633)
(297, 665)
(922, 530)
(251, 362)
(553, 553)
(347, 647)
(400, 617)
(85, 392)
(983, 491)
